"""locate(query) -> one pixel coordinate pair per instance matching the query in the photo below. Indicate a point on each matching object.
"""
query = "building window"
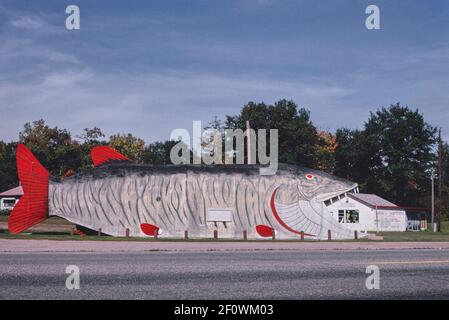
(348, 216)
(341, 216)
(9, 203)
(352, 216)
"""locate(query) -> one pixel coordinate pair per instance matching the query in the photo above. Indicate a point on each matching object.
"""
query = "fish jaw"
(321, 197)
(308, 216)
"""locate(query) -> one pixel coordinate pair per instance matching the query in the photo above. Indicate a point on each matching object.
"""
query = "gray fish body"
(120, 196)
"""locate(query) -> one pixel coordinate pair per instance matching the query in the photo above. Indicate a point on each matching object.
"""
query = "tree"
(214, 141)
(405, 142)
(443, 179)
(128, 145)
(396, 154)
(90, 138)
(325, 151)
(54, 147)
(216, 124)
(158, 153)
(297, 134)
(346, 153)
(8, 169)
(356, 159)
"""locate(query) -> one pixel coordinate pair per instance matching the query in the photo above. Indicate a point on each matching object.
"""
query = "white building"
(361, 211)
(9, 198)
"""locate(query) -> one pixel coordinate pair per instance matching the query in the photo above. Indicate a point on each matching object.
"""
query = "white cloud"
(28, 22)
(38, 24)
(41, 78)
(147, 105)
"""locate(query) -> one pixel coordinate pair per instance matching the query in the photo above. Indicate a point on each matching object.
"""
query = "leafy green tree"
(209, 144)
(90, 138)
(158, 153)
(391, 156)
(54, 147)
(444, 180)
(297, 134)
(356, 159)
(128, 145)
(405, 146)
(325, 151)
(216, 124)
(8, 169)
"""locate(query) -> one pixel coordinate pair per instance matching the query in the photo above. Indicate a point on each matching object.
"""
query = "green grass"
(57, 221)
(4, 234)
(51, 220)
(64, 236)
(445, 226)
(67, 236)
(387, 236)
(427, 235)
(415, 236)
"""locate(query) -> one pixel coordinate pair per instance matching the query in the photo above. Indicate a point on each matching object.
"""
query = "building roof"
(372, 200)
(14, 192)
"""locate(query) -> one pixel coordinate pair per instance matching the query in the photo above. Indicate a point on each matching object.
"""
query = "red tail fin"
(33, 206)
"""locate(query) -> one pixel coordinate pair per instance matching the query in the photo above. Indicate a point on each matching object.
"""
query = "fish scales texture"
(117, 196)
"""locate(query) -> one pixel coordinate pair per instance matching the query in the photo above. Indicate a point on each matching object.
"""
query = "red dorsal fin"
(103, 154)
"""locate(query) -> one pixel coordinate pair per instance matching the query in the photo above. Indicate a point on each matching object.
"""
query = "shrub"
(5, 212)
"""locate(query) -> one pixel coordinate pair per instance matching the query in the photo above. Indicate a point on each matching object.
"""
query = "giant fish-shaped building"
(167, 201)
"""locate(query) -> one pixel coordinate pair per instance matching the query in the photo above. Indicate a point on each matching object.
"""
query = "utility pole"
(432, 178)
(433, 202)
(440, 181)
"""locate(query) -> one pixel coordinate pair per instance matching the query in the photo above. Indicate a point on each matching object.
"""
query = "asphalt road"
(404, 274)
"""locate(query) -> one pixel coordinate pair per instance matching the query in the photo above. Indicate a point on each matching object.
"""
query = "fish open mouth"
(287, 216)
(301, 216)
(329, 195)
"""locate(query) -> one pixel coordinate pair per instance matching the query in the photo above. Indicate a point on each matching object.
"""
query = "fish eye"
(310, 176)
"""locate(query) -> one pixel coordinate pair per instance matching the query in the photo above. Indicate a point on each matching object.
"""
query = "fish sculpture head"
(298, 203)
(313, 185)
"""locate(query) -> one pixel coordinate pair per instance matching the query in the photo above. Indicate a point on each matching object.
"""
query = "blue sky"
(148, 67)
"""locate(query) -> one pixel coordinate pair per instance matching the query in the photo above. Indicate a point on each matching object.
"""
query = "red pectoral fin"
(103, 154)
(264, 231)
(149, 229)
